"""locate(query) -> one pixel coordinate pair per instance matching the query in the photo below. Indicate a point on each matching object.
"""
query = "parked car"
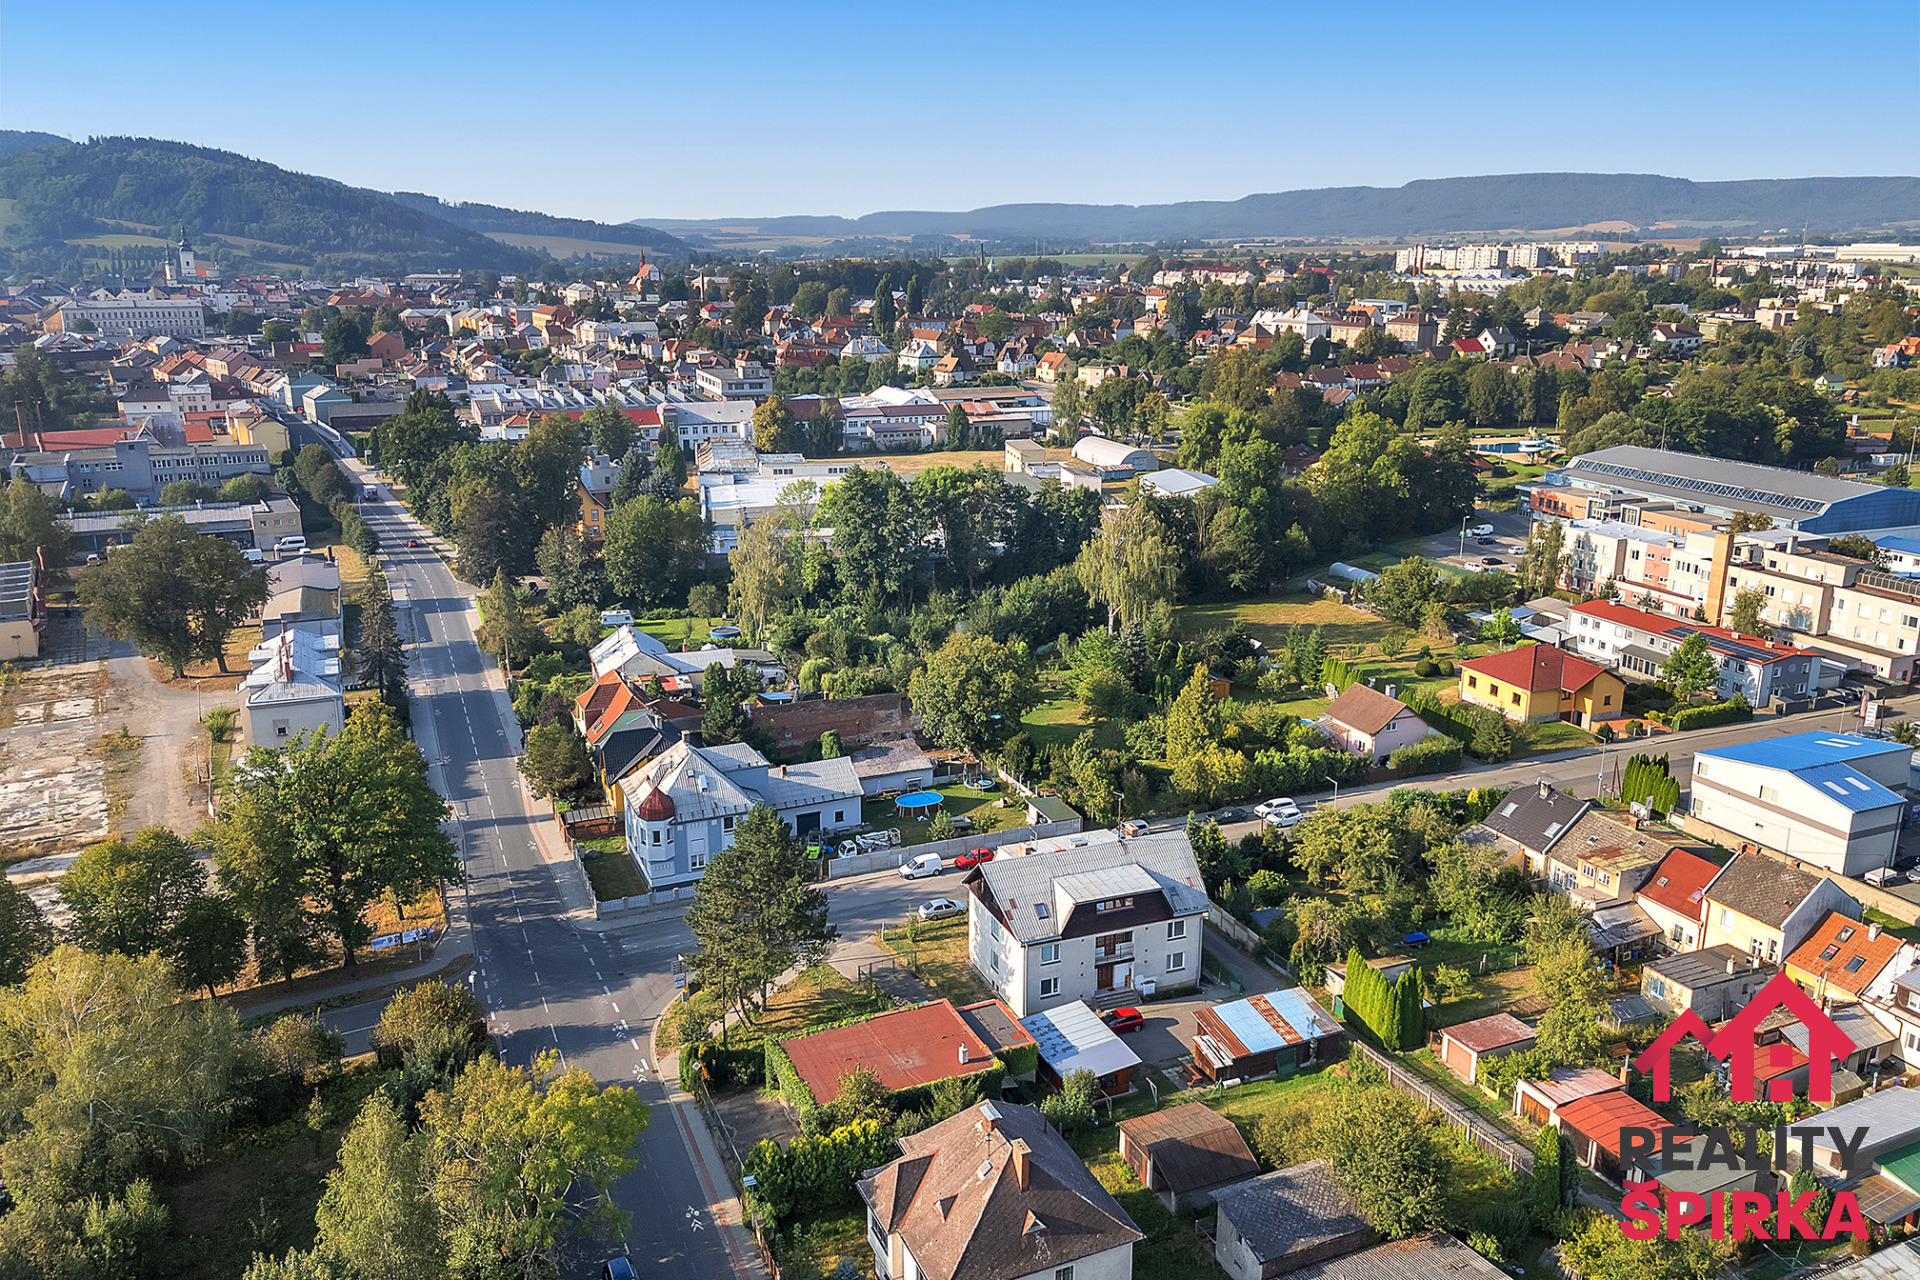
(291, 542)
(1279, 804)
(1491, 560)
(1480, 531)
(939, 909)
(1881, 877)
(1486, 542)
(1284, 818)
(1226, 816)
(617, 1269)
(973, 858)
(1123, 1020)
(414, 542)
(926, 864)
(1133, 827)
(252, 555)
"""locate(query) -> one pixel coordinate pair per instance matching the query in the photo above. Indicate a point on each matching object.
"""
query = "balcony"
(1108, 955)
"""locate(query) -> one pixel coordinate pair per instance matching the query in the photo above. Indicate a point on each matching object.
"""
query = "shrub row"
(1732, 711)
(1437, 754)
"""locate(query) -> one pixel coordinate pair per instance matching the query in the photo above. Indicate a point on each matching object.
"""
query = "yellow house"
(1538, 684)
(262, 429)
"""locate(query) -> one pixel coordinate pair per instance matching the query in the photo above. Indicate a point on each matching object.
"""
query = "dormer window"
(1114, 904)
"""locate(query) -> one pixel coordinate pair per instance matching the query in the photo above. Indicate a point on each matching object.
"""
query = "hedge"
(782, 1074)
(1731, 711)
(1438, 754)
(815, 1174)
(1392, 1011)
(1273, 771)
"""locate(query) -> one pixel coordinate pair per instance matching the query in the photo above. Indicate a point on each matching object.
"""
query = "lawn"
(1055, 723)
(1558, 736)
(1267, 619)
(676, 633)
(612, 873)
(1893, 925)
(817, 998)
(961, 801)
(937, 953)
(815, 1249)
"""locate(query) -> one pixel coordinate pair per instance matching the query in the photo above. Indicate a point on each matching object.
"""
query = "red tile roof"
(1536, 668)
(1680, 882)
(905, 1048)
(1668, 624)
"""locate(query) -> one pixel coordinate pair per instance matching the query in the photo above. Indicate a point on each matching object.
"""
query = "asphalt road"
(546, 985)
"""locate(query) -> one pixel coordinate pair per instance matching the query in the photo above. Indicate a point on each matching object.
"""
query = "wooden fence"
(1510, 1152)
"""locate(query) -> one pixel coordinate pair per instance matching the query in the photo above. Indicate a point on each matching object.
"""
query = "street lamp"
(1336, 787)
(1463, 536)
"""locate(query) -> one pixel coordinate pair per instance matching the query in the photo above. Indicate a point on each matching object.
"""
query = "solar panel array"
(1732, 492)
(1755, 653)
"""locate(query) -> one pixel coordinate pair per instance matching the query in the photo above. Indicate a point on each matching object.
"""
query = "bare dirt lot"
(53, 767)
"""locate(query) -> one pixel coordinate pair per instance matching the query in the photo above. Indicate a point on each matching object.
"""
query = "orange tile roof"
(905, 1048)
(1839, 969)
(1601, 1116)
(1536, 668)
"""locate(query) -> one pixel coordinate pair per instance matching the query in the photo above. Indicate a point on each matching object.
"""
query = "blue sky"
(594, 108)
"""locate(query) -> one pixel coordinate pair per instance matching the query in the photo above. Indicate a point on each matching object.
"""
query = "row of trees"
(1392, 1011)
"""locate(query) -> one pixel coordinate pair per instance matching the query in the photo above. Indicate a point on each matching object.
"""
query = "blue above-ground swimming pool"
(919, 800)
(725, 633)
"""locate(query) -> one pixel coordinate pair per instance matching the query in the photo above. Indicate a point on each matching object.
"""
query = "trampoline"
(918, 803)
(725, 633)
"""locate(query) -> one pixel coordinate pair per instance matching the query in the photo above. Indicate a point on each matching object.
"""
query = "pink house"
(1364, 721)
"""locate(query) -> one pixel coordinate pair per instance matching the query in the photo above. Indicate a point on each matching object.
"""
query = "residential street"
(551, 977)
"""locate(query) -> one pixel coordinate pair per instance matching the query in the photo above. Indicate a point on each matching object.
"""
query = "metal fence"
(1508, 1151)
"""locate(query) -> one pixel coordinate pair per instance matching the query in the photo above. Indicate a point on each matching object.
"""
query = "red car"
(413, 542)
(973, 858)
(1124, 1020)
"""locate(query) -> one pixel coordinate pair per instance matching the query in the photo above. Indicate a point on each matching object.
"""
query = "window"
(726, 823)
(1114, 904)
(1769, 793)
(697, 859)
(839, 815)
(1176, 929)
(1473, 682)
(1846, 934)
(1678, 934)
(1049, 987)
(1655, 987)
(1853, 965)
(1176, 961)
(1726, 918)
(1063, 1273)
(656, 837)
(1516, 699)
(1050, 953)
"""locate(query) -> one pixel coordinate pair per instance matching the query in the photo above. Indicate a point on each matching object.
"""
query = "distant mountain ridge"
(12, 140)
(1437, 206)
(493, 218)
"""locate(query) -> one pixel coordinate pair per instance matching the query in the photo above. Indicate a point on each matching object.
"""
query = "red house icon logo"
(1737, 1044)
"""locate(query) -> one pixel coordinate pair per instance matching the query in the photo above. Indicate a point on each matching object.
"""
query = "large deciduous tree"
(173, 593)
(655, 548)
(973, 690)
(337, 822)
(1689, 668)
(30, 521)
(25, 934)
(1129, 564)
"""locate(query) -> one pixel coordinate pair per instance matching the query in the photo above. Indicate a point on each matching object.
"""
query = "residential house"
(1539, 1101)
(1536, 684)
(1272, 1034)
(294, 688)
(1072, 1037)
(1529, 822)
(1829, 800)
(1094, 923)
(1365, 722)
(598, 476)
(23, 607)
(1714, 982)
(1465, 1045)
(1675, 896)
(994, 1194)
(1767, 907)
(1186, 1153)
(1291, 1218)
(1607, 856)
(303, 594)
(1639, 643)
(1846, 959)
(682, 806)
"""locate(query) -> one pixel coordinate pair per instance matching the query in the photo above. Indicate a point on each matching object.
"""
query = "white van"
(615, 617)
(1480, 531)
(926, 864)
(291, 542)
(254, 555)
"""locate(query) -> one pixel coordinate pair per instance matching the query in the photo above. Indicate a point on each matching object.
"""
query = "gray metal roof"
(1290, 1210)
(1895, 1262)
(1707, 966)
(1024, 886)
(1715, 481)
(1429, 1257)
(1891, 1118)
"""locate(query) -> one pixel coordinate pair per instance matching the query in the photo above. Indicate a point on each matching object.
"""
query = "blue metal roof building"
(1802, 500)
(1833, 801)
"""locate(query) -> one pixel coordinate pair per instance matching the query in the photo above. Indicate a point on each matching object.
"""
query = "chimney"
(1022, 1155)
(1545, 789)
(1733, 965)
(963, 1053)
(1873, 932)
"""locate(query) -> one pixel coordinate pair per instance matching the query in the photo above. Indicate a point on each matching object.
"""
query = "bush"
(814, 1175)
(1072, 1107)
(1437, 754)
(1731, 711)
(1426, 668)
(1446, 666)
